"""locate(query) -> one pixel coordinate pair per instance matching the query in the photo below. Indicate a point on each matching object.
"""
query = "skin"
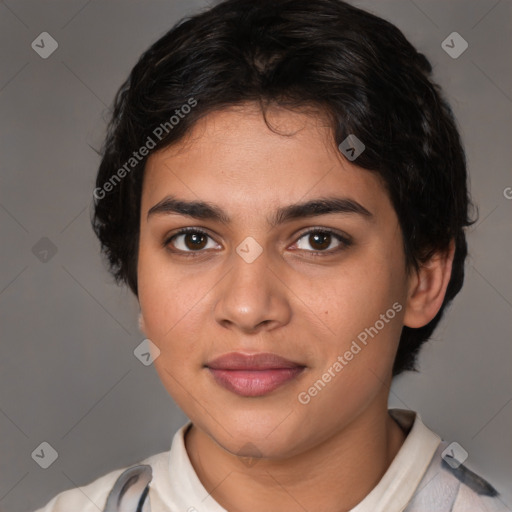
(272, 452)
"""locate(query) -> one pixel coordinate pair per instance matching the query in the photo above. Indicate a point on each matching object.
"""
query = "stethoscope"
(130, 490)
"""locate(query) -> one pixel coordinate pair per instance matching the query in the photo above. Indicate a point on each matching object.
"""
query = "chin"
(255, 437)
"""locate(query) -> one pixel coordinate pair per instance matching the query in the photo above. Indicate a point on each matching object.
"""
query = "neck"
(333, 476)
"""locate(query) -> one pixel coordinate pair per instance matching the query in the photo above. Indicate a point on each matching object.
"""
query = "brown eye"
(194, 241)
(190, 240)
(322, 240)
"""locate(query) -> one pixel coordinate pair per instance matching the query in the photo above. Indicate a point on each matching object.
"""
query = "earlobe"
(427, 288)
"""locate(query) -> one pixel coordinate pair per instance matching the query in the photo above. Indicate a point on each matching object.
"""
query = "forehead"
(232, 157)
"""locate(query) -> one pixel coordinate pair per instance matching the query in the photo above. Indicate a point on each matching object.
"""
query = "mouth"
(254, 374)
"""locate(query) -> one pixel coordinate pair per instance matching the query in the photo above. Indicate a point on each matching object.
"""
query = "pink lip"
(254, 374)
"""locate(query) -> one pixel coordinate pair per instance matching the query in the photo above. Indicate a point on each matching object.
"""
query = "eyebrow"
(203, 210)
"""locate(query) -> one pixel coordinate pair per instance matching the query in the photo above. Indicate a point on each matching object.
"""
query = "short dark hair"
(356, 68)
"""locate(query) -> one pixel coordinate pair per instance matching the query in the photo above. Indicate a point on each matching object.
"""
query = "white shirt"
(417, 480)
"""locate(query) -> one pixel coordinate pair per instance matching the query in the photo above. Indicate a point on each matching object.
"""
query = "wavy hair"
(355, 67)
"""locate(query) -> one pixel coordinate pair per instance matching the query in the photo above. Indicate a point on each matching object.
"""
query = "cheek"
(363, 307)
(168, 300)
(171, 313)
(355, 297)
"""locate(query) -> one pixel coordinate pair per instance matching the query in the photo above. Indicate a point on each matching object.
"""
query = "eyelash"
(346, 241)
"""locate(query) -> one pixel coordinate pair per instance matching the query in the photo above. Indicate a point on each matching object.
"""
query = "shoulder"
(451, 485)
(129, 483)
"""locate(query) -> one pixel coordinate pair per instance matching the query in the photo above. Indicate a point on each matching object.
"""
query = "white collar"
(391, 494)
(400, 481)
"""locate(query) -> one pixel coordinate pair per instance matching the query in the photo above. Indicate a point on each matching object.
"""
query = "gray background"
(68, 375)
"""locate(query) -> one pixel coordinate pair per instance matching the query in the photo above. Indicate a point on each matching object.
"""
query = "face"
(309, 298)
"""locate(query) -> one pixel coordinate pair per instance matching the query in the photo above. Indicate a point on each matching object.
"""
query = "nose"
(253, 296)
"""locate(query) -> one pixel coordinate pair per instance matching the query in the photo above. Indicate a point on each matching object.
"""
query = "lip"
(253, 375)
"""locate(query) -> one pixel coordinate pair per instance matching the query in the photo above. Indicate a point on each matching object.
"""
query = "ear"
(427, 288)
(141, 323)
